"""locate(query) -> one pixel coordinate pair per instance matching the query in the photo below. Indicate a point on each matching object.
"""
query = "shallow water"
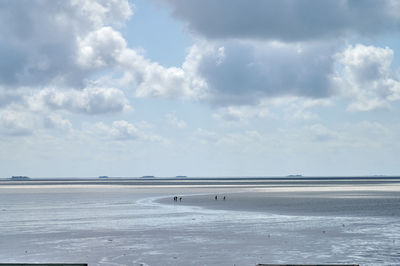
(122, 225)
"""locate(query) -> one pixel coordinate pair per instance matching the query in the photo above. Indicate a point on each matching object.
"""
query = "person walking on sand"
(224, 197)
(216, 197)
(180, 198)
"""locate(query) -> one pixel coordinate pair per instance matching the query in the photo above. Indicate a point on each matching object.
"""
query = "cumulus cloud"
(40, 39)
(366, 77)
(240, 73)
(299, 108)
(247, 53)
(122, 130)
(150, 79)
(67, 56)
(286, 20)
(55, 121)
(68, 45)
(19, 123)
(236, 114)
(258, 51)
(282, 108)
(246, 72)
(91, 100)
(14, 123)
(71, 44)
(100, 48)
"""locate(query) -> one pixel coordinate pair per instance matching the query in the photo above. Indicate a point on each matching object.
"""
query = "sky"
(199, 88)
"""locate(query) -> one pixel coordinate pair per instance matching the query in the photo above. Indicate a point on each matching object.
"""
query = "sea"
(263, 220)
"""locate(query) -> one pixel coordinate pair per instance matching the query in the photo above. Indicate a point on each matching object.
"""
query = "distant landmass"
(294, 176)
(181, 176)
(148, 176)
(103, 176)
(19, 177)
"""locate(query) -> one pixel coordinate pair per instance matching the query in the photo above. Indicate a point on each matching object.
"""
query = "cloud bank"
(286, 20)
(248, 52)
(70, 57)
(243, 54)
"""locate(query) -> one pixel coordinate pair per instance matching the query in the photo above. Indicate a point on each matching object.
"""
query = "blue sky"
(199, 88)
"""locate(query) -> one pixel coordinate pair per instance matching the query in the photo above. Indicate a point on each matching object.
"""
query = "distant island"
(181, 176)
(294, 176)
(19, 177)
(103, 176)
(148, 176)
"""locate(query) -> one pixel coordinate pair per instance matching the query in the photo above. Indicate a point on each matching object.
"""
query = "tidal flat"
(137, 222)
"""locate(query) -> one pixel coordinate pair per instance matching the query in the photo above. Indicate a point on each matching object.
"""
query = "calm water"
(123, 225)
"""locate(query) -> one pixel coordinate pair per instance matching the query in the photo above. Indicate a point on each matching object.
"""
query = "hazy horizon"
(146, 177)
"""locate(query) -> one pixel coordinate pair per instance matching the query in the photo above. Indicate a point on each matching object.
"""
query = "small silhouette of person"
(224, 198)
(216, 197)
(180, 198)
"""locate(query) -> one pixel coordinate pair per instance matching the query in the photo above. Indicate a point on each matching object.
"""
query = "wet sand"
(124, 223)
(360, 204)
(311, 197)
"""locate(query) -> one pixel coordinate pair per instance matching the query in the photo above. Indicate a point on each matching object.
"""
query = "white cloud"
(149, 79)
(366, 77)
(100, 48)
(104, 12)
(41, 39)
(91, 100)
(14, 123)
(19, 123)
(71, 44)
(300, 108)
(236, 114)
(158, 81)
(231, 113)
(122, 130)
(64, 55)
(282, 108)
(55, 121)
(68, 45)
(249, 72)
(246, 61)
